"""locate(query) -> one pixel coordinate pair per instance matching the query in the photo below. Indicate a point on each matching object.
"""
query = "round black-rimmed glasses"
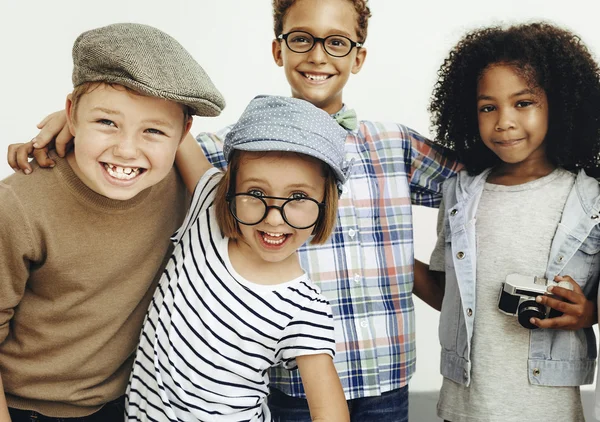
(334, 45)
(299, 213)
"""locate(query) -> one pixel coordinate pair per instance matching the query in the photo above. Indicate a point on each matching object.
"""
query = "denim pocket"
(572, 346)
(584, 266)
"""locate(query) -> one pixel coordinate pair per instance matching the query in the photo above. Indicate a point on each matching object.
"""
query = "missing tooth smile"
(316, 77)
(122, 173)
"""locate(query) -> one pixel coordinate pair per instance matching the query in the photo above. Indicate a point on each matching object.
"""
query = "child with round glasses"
(298, 211)
(233, 300)
(334, 45)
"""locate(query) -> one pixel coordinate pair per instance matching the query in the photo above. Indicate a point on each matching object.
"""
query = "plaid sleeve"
(212, 145)
(431, 164)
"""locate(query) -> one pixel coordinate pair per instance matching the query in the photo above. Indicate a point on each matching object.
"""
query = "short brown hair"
(86, 87)
(280, 8)
(230, 227)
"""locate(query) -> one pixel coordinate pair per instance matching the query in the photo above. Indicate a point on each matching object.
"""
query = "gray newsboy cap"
(272, 123)
(146, 60)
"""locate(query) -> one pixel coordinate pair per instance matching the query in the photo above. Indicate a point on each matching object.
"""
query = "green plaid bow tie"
(347, 119)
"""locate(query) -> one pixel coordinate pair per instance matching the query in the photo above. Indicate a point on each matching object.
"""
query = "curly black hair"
(548, 57)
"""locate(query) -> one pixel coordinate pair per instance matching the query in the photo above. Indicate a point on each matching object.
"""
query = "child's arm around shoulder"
(324, 392)
(212, 145)
(54, 134)
(430, 165)
(191, 162)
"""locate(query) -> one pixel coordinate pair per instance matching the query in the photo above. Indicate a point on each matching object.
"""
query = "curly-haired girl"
(520, 107)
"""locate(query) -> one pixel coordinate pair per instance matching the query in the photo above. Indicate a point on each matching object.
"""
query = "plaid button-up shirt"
(366, 267)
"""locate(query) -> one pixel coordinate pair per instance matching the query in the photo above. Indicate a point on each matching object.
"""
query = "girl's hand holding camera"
(578, 311)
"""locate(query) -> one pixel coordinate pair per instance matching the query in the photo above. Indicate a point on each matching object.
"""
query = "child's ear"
(361, 55)
(69, 114)
(186, 128)
(276, 50)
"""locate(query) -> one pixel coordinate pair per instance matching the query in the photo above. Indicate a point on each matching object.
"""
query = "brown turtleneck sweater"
(77, 273)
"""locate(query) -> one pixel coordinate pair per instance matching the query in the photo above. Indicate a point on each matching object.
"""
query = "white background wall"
(232, 40)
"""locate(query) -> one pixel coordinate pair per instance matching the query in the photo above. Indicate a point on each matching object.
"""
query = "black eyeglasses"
(334, 45)
(299, 213)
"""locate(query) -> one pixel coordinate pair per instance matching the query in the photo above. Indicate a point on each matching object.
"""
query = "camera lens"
(530, 309)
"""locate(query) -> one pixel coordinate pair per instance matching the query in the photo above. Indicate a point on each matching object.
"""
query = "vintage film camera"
(517, 297)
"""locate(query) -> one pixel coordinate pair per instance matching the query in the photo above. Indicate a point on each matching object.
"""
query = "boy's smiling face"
(124, 142)
(316, 76)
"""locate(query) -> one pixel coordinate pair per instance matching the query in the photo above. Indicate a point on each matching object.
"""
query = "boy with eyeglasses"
(366, 268)
(334, 45)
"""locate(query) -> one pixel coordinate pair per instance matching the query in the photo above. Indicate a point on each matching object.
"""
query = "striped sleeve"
(201, 200)
(310, 332)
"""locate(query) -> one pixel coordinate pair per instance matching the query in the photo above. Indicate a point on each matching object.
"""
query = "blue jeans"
(391, 406)
(113, 411)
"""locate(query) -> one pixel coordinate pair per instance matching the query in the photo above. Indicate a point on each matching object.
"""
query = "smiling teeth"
(282, 237)
(122, 173)
(316, 77)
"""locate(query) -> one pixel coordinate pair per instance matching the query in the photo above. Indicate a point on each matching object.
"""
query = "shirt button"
(453, 212)
(559, 258)
(364, 323)
(536, 372)
(351, 232)
(357, 278)
(460, 255)
(595, 217)
(465, 374)
(469, 312)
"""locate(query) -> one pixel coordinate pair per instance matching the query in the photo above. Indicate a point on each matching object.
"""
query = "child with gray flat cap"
(74, 291)
(233, 300)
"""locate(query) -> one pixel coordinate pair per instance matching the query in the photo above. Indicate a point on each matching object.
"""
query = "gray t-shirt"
(515, 226)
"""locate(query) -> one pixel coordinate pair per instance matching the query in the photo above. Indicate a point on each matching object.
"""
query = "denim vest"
(556, 357)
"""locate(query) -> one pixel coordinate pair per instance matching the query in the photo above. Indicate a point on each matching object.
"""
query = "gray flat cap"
(273, 123)
(146, 60)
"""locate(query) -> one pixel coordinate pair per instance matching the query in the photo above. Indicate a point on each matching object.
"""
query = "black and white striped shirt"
(210, 336)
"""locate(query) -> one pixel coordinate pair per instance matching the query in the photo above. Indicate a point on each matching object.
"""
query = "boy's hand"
(578, 311)
(54, 133)
(54, 127)
(18, 156)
